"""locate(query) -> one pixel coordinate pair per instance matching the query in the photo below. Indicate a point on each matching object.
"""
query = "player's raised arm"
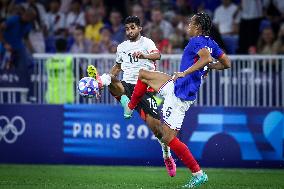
(204, 59)
(154, 53)
(222, 63)
(152, 56)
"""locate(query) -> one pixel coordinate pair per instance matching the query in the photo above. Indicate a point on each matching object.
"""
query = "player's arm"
(222, 63)
(204, 59)
(154, 53)
(116, 69)
(152, 56)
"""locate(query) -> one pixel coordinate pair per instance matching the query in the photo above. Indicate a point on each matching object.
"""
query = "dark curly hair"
(132, 19)
(204, 20)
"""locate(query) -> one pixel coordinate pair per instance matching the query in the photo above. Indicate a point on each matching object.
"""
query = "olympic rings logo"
(10, 129)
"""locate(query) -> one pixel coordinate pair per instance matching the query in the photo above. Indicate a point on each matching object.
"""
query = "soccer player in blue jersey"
(180, 91)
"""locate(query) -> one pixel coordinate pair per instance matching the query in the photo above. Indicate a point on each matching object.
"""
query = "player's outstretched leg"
(146, 78)
(168, 159)
(106, 80)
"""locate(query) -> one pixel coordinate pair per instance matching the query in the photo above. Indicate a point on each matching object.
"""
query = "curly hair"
(132, 19)
(204, 20)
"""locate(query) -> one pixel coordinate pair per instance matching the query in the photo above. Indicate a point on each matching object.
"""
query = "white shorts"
(174, 108)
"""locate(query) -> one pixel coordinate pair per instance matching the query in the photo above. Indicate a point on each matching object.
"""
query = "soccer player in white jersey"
(127, 61)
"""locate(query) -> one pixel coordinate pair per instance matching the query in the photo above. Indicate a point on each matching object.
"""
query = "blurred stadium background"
(235, 129)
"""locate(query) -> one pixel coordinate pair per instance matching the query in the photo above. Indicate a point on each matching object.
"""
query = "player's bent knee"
(142, 74)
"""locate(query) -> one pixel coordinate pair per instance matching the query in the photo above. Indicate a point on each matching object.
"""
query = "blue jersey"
(186, 88)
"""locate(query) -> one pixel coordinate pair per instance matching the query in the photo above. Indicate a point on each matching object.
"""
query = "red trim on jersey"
(196, 58)
(221, 55)
(155, 51)
(154, 62)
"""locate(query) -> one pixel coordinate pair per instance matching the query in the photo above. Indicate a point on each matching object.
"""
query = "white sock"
(106, 79)
(198, 173)
(166, 150)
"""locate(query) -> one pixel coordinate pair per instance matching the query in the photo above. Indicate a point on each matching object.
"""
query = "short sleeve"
(151, 47)
(217, 52)
(119, 58)
(196, 45)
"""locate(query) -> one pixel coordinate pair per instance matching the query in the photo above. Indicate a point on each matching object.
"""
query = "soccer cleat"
(124, 100)
(92, 72)
(196, 181)
(127, 111)
(171, 166)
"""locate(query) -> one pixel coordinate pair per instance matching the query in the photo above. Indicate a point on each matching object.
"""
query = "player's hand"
(178, 75)
(210, 66)
(206, 72)
(139, 55)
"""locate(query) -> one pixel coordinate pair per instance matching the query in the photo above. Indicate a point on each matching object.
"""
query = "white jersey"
(130, 65)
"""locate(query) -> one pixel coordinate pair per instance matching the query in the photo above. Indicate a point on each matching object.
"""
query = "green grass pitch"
(126, 177)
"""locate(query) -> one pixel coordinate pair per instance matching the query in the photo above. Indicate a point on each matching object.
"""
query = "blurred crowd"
(96, 26)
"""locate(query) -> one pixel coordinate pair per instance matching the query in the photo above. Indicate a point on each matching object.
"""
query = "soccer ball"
(88, 87)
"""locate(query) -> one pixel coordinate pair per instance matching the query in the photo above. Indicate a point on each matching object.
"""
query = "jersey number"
(168, 113)
(209, 49)
(152, 103)
(132, 59)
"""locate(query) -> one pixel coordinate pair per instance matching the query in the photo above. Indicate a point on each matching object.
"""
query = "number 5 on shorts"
(168, 112)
